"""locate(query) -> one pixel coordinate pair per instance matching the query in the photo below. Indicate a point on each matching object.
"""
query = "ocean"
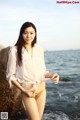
(63, 100)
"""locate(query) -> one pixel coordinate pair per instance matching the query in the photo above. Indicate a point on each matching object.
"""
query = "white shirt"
(32, 68)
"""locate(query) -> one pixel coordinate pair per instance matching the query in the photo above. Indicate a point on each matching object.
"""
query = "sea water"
(63, 100)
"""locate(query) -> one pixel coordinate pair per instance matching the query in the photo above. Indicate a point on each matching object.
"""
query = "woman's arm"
(54, 77)
(29, 93)
(17, 84)
(47, 74)
(11, 69)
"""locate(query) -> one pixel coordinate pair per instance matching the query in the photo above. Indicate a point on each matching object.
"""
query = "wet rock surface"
(10, 99)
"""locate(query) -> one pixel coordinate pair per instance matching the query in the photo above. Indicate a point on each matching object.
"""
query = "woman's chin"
(28, 42)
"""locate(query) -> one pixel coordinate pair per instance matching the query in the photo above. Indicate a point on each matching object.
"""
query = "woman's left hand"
(55, 78)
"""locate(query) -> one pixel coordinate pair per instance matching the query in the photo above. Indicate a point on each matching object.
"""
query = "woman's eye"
(24, 33)
(31, 33)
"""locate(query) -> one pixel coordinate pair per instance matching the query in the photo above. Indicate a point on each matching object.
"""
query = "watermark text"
(68, 2)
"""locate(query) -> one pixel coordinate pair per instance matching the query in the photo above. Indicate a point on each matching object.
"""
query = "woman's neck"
(28, 46)
(29, 49)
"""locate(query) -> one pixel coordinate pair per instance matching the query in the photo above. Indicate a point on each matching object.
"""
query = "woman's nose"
(28, 35)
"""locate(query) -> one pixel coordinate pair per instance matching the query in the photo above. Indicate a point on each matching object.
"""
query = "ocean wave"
(57, 115)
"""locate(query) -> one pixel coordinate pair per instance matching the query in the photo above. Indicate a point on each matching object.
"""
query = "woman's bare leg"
(41, 99)
(30, 107)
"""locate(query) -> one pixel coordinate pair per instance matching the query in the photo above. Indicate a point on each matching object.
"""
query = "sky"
(58, 25)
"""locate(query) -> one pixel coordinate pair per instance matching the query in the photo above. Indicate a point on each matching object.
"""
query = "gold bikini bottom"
(40, 87)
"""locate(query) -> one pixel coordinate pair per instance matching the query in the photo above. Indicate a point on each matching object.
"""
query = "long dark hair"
(20, 42)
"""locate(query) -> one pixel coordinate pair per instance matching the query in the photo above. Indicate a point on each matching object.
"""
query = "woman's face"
(29, 35)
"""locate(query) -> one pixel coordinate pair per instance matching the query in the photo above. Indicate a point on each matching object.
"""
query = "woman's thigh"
(41, 100)
(30, 107)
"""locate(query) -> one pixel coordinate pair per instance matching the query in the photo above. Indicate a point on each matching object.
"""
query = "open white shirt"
(31, 70)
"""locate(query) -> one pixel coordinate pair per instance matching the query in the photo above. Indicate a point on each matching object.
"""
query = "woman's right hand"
(30, 92)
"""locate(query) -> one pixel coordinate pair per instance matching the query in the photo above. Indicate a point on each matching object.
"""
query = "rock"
(1, 47)
(10, 99)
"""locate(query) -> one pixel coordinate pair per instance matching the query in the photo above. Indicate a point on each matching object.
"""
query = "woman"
(26, 70)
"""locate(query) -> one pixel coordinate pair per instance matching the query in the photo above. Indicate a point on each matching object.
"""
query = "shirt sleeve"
(11, 66)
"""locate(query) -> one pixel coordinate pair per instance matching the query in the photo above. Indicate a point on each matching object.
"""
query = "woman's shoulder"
(13, 49)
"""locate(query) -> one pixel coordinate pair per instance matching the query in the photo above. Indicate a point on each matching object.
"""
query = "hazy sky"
(58, 25)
